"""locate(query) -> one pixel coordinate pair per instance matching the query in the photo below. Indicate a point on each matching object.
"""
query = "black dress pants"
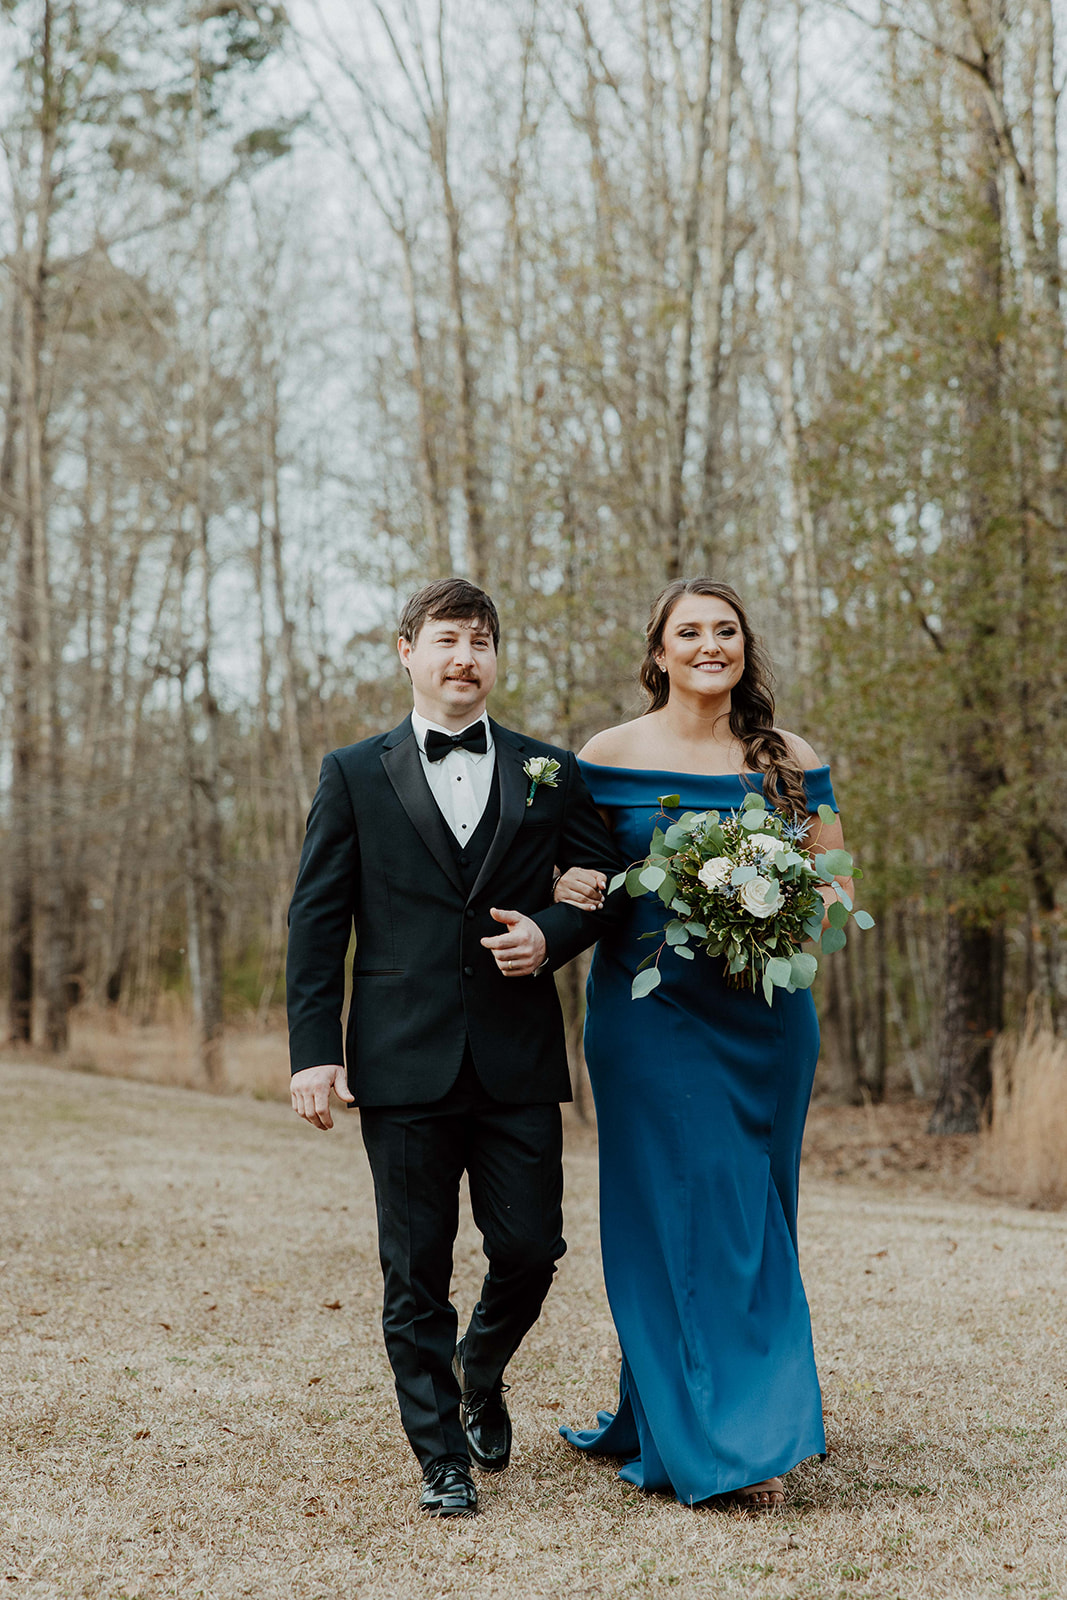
(512, 1155)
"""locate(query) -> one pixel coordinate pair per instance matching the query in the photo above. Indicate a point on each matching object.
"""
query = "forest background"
(304, 306)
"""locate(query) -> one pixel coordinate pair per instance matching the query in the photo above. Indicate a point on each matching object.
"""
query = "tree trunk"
(715, 283)
(23, 655)
(53, 923)
(688, 254)
(974, 947)
(973, 1015)
(23, 786)
(205, 832)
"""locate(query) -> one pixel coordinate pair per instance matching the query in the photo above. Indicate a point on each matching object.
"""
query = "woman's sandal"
(765, 1496)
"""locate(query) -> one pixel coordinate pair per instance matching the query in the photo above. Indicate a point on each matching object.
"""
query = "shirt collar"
(420, 726)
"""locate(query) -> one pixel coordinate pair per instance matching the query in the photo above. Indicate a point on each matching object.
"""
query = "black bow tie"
(473, 738)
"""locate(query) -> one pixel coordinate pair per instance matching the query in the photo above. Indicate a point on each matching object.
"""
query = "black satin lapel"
(403, 767)
(514, 786)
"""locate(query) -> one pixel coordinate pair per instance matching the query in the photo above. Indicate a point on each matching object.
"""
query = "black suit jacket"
(378, 854)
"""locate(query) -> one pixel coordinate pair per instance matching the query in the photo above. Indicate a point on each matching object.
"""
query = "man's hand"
(582, 887)
(310, 1093)
(519, 952)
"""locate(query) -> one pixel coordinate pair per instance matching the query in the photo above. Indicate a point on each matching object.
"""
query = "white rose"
(714, 873)
(760, 897)
(768, 844)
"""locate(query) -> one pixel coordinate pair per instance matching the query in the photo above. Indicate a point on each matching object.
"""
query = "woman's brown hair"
(751, 703)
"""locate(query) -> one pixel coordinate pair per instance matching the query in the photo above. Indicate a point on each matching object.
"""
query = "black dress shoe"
(447, 1489)
(485, 1420)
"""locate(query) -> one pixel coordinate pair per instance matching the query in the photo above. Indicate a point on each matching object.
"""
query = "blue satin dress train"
(701, 1093)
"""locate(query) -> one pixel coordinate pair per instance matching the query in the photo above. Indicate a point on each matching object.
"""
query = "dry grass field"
(196, 1403)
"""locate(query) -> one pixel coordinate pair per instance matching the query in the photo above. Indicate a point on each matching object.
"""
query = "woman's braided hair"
(752, 700)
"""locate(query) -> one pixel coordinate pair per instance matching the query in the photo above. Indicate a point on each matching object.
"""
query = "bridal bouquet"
(741, 887)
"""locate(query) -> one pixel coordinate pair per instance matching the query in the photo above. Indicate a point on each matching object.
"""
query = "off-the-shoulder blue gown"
(701, 1093)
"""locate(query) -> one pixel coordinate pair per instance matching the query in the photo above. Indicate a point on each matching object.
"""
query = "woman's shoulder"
(613, 747)
(800, 750)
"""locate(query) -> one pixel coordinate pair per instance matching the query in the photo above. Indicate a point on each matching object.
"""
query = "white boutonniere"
(540, 769)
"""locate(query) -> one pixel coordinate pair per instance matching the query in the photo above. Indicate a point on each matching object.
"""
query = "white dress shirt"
(461, 780)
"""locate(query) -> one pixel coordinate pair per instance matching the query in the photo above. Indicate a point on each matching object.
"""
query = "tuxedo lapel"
(403, 767)
(513, 787)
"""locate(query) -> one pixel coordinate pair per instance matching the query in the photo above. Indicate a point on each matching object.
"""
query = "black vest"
(469, 856)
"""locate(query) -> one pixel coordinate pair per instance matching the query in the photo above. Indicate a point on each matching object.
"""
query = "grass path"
(195, 1402)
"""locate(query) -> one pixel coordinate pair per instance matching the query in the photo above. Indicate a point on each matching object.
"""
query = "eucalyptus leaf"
(742, 874)
(768, 988)
(864, 919)
(644, 983)
(675, 838)
(838, 915)
(676, 933)
(651, 877)
(828, 815)
(684, 950)
(778, 971)
(681, 906)
(669, 802)
(634, 885)
(668, 889)
(834, 939)
(751, 801)
(837, 862)
(802, 969)
(753, 820)
(813, 926)
(739, 962)
(617, 881)
(698, 930)
(844, 897)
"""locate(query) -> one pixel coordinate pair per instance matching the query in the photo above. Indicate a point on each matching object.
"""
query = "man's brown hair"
(449, 600)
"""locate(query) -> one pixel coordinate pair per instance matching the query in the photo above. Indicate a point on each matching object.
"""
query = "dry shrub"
(1026, 1147)
(255, 1060)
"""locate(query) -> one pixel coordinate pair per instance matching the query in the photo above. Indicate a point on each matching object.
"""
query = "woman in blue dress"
(701, 1093)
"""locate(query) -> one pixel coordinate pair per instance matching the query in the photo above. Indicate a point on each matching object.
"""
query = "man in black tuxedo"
(439, 841)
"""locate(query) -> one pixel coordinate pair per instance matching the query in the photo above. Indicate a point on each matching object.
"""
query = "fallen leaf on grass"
(312, 1381)
(165, 1325)
(143, 1433)
(332, 1305)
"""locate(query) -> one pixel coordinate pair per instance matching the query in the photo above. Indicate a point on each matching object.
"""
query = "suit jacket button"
(470, 913)
(468, 972)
